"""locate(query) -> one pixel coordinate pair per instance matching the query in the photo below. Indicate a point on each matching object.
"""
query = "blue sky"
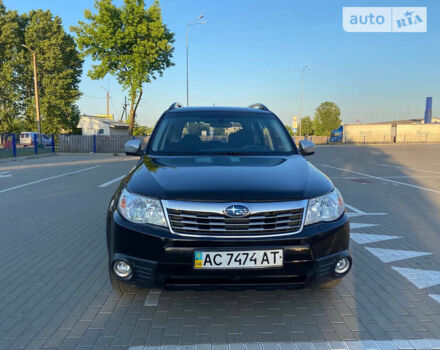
(246, 51)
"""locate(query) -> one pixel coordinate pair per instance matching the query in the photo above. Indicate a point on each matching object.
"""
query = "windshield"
(215, 133)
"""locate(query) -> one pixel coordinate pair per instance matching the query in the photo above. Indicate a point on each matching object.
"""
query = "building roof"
(112, 123)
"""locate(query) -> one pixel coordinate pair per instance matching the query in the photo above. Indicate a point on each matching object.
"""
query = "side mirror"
(133, 147)
(306, 147)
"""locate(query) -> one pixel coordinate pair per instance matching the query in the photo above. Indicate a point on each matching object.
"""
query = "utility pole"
(305, 68)
(108, 100)
(37, 101)
(196, 21)
(124, 109)
(108, 105)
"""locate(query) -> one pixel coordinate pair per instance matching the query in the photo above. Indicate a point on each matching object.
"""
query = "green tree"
(326, 118)
(142, 130)
(289, 129)
(11, 93)
(306, 126)
(129, 42)
(59, 69)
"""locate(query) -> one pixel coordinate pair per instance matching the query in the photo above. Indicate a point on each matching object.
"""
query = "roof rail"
(175, 105)
(259, 106)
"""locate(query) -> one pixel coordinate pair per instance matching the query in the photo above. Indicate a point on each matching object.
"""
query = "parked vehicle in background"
(46, 140)
(336, 135)
(222, 197)
(27, 139)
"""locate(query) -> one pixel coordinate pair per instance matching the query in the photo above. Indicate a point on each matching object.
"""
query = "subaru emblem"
(236, 211)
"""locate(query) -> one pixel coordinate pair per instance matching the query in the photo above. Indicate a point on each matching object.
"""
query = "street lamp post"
(305, 68)
(37, 101)
(196, 21)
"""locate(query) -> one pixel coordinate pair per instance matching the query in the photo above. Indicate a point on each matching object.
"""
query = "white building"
(94, 125)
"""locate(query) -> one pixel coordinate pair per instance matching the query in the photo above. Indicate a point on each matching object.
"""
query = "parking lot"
(55, 293)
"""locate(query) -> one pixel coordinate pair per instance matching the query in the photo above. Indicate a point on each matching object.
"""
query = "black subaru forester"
(222, 198)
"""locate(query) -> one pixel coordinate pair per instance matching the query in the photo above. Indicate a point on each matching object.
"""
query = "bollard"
(35, 143)
(14, 146)
(53, 143)
(94, 143)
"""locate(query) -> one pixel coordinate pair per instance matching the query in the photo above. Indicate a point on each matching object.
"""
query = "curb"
(17, 159)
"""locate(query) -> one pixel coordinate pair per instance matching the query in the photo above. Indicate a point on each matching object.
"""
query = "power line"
(99, 98)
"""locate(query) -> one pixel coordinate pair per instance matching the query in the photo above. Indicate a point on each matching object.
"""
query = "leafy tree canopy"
(142, 130)
(326, 118)
(59, 69)
(128, 42)
(306, 126)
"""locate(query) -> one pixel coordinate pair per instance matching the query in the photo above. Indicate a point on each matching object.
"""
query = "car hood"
(228, 178)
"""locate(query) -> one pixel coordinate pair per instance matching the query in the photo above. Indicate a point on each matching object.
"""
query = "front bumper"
(165, 260)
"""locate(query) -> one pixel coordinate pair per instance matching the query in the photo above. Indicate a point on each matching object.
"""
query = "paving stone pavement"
(55, 293)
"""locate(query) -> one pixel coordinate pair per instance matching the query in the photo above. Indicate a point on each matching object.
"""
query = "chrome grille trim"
(266, 219)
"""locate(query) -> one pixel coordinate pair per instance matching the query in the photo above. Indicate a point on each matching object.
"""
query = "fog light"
(342, 266)
(121, 269)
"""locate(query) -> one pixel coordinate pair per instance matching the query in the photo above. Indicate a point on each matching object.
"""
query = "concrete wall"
(418, 133)
(371, 133)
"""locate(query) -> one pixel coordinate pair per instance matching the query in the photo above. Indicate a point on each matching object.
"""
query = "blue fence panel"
(35, 143)
(14, 146)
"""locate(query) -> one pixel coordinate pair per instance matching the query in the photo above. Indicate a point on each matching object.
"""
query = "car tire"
(122, 287)
(330, 284)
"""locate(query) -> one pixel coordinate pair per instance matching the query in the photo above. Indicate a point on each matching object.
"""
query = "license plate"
(249, 259)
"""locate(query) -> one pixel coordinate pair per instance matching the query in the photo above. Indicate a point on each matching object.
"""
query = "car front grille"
(210, 223)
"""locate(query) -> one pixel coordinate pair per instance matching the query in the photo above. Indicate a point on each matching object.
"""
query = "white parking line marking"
(354, 215)
(112, 181)
(436, 297)
(391, 255)
(4, 174)
(365, 238)
(420, 278)
(358, 212)
(152, 298)
(383, 179)
(415, 169)
(359, 225)
(48, 178)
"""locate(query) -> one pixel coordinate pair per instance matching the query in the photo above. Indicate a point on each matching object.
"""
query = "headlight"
(325, 208)
(140, 209)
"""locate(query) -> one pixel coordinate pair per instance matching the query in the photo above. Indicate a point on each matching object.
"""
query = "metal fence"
(115, 143)
(318, 140)
(96, 143)
(12, 146)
